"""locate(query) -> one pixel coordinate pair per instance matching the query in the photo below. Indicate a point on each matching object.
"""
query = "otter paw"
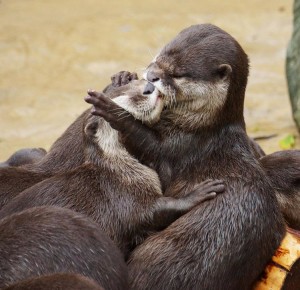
(123, 78)
(206, 190)
(102, 105)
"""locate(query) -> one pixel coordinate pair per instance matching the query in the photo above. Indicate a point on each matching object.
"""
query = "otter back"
(47, 240)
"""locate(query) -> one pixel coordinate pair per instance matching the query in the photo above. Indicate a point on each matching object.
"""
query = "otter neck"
(106, 148)
(189, 121)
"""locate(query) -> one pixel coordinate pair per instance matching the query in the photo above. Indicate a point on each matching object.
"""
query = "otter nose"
(149, 89)
(151, 77)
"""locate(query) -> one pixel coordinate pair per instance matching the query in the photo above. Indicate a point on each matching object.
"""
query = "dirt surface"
(51, 52)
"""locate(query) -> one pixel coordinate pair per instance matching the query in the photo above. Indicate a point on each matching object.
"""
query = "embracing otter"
(226, 242)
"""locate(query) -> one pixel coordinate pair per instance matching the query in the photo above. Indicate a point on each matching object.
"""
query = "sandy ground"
(51, 52)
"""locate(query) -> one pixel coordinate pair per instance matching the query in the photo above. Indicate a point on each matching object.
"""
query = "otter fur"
(48, 240)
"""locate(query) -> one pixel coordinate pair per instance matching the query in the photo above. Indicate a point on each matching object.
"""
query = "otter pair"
(202, 76)
(117, 192)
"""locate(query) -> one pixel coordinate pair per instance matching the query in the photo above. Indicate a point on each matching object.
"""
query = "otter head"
(139, 98)
(203, 71)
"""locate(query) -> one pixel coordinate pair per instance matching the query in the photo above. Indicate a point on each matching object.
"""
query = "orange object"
(283, 272)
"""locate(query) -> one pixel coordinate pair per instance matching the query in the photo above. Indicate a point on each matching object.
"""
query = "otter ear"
(224, 71)
(91, 128)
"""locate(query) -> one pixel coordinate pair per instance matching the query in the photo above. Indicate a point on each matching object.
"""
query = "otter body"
(283, 169)
(123, 196)
(48, 240)
(226, 242)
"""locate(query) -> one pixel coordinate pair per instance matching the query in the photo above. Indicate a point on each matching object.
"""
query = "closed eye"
(179, 76)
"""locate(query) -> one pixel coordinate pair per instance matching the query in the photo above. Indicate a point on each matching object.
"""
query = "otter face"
(139, 98)
(195, 70)
(142, 100)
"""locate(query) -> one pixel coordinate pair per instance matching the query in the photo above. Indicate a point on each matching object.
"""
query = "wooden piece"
(283, 272)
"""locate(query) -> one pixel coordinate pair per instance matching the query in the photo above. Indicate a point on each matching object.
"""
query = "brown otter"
(48, 240)
(283, 169)
(65, 154)
(123, 196)
(60, 281)
(226, 242)
(24, 156)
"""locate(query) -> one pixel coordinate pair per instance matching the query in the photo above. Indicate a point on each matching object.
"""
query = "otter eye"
(178, 75)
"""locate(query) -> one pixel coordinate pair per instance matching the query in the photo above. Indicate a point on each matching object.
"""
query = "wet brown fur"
(47, 240)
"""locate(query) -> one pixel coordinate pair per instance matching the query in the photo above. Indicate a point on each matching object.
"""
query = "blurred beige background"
(51, 52)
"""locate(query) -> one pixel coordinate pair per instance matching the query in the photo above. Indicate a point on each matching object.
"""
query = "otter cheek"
(123, 102)
(152, 100)
(155, 114)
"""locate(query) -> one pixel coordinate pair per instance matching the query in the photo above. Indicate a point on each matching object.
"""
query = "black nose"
(151, 77)
(149, 89)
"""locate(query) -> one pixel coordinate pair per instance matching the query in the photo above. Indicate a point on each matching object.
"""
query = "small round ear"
(224, 71)
(91, 128)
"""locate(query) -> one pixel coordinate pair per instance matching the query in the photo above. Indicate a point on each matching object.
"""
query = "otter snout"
(149, 89)
(152, 77)
(153, 73)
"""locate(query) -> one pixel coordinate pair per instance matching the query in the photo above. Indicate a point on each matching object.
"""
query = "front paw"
(123, 78)
(206, 190)
(104, 107)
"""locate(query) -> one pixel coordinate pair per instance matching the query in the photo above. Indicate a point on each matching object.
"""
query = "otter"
(63, 281)
(283, 169)
(47, 240)
(202, 76)
(66, 153)
(123, 196)
(24, 156)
